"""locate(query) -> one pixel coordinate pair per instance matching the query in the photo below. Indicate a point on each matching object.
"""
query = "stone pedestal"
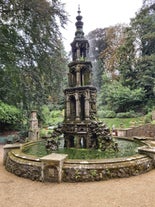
(53, 162)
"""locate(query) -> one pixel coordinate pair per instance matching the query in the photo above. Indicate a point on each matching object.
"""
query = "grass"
(123, 122)
(117, 122)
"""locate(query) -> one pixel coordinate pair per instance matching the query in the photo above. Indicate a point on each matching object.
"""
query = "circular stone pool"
(126, 148)
(32, 161)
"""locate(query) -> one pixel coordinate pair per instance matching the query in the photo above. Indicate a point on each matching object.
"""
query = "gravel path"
(136, 191)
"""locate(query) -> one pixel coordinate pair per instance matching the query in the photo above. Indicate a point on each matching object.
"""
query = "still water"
(126, 148)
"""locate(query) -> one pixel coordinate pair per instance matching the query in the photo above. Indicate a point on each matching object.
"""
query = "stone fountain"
(80, 127)
(81, 130)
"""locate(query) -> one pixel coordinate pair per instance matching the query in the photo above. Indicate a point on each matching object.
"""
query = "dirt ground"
(138, 191)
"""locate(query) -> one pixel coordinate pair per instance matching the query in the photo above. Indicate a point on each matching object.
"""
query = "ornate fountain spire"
(79, 25)
(80, 45)
(80, 96)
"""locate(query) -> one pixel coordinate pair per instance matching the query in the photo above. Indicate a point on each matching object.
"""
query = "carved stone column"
(83, 79)
(90, 78)
(77, 107)
(87, 105)
(67, 108)
(71, 79)
(78, 53)
(78, 81)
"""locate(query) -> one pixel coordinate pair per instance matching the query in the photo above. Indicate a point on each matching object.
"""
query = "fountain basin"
(126, 148)
(74, 170)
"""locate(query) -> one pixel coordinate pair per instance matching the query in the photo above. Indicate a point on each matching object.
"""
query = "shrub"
(43, 133)
(148, 118)
(130, 114)
(51, 117)
(9, 114)
(56, 113)
(121, 98)
(106, 114)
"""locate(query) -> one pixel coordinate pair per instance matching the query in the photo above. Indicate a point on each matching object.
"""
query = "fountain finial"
(79, 24)
(79, 11)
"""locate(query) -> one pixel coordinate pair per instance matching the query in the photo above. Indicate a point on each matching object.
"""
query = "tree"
(144, 27)
(147, 3)
(97, 42)
(120, 98)
(126, 59)
(114, 39)
(104, 44)
(32, 59)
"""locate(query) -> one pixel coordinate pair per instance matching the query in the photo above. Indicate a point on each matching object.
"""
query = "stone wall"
(78, 170)
(23, 167)
(147, 130)
(104, 170)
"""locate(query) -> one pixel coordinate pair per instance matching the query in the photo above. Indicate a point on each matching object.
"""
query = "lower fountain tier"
(77, 135)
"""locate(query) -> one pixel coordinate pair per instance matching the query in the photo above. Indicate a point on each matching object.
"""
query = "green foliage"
(131, 61)
(55, 114)
(51, 118)
(9, 114)
(97, 40)
(93, 173)
(148, 118)
(128, 75)
(145, 66)
(137, 54)
(123, 122)
(33, 63)
(121, 98)
(106, 114)
(32, 58)
(129, 114)
(150, 106)
(45, 133)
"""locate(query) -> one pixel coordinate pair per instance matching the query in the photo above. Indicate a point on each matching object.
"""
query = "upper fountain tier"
(80, 45)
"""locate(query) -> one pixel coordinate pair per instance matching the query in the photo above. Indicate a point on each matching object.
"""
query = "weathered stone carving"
(80, 127)
(34, 129)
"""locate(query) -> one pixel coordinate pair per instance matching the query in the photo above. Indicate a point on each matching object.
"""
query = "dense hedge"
(9, 114)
